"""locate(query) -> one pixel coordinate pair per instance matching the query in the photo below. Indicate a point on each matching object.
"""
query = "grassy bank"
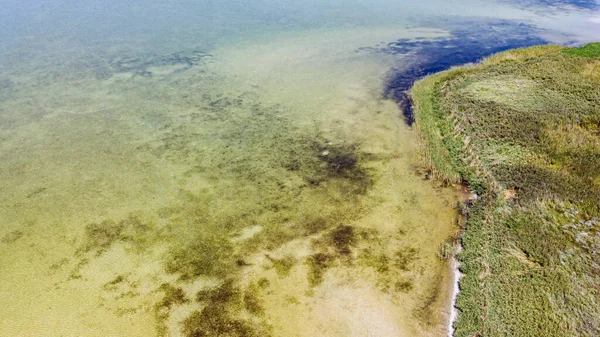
(523, 129)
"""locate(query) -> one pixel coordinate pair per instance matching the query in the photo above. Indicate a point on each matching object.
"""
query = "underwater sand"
(106, 177)
(259, 182)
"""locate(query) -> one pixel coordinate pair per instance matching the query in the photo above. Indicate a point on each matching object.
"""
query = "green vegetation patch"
(215, 321)
(223, 313)
(342, 239)
(172, 296)
(318, 263)
(99, 237)
(589, 50)
(289, 179)
(522, 129)
(284, 265)
(209, 255)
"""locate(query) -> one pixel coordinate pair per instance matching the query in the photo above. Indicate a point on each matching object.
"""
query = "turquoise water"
(233, 168)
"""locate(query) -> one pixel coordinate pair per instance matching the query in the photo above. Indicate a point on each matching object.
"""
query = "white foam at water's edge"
(456, 276)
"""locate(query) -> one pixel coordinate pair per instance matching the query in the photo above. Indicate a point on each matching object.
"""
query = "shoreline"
(400, 88)
(537, 205)
(456, 276)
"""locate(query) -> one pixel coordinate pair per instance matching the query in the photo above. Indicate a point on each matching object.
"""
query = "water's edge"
(436, 55)
(456, 276)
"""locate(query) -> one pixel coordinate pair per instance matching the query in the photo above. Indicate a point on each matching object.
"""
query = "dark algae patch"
(99, 237)
(318, 263)
(221, 313)
(205, 256)
(342, 239)
(172, 296)
(141, 65)
(521, 128)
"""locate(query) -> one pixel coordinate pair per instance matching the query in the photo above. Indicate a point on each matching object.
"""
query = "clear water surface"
(233, 168)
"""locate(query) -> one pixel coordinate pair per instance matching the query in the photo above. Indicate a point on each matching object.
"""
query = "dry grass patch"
(521, 54)
(517, 93)
(591, 70)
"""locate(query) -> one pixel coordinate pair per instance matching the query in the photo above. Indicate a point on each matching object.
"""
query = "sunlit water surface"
(233, 168)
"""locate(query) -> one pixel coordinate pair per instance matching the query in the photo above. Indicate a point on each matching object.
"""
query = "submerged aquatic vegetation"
(318, 263)
(392, 265)
(288, 182)
(214, 320)
(534, 165)
(221, 314)
(172, 296)
(339, 163)
(366, 249)
(205, 256)
(222, 294)
(252, 301)
(141, 65)
(342, 239)
(99, 237)
(283, 265)
(335, 245)
(203, 163)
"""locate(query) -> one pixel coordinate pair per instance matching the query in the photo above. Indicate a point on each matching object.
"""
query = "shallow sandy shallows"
(268, 182)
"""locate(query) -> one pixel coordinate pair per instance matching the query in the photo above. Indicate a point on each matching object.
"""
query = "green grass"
(524, 122)
(589, 50)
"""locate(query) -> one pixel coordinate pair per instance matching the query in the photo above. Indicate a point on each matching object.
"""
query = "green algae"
(220, 315)
(214, 320)
(131, 230)
(342, 238)
(205, 256)
(284, 265)
(172, 296)
(252, 302)
(318, 263)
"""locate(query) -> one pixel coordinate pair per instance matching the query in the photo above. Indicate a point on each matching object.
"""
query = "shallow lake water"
(234, 168)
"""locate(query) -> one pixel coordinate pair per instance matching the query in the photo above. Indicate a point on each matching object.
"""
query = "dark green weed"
(342, 238)
(318, 263)
(172, 296)
(221, 315)
(99, 237)
(206, 256)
